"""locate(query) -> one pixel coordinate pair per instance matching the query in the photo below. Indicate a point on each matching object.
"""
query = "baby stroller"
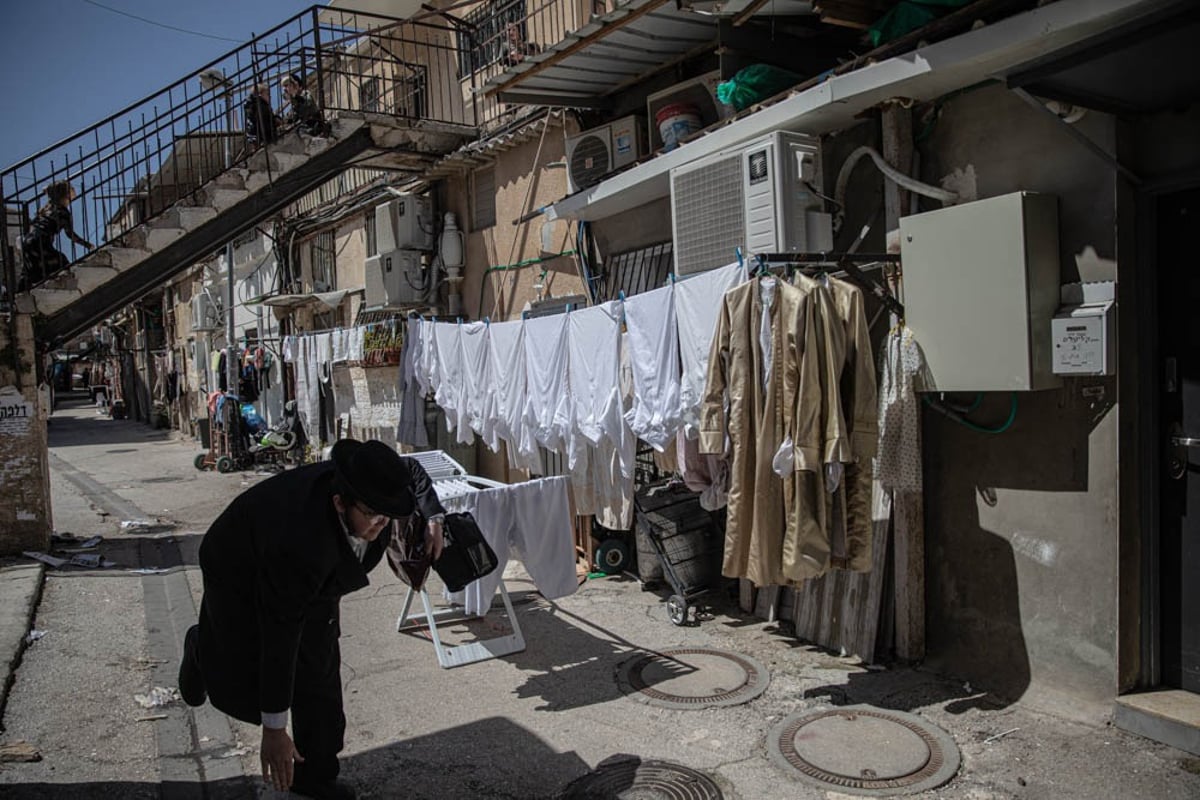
(283, 443)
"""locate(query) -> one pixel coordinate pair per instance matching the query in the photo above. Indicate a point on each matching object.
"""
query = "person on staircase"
(261, 121)
(42, 257)
(305, 114)
(275, 565)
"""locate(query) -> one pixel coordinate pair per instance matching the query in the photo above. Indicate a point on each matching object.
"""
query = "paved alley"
(521, 727)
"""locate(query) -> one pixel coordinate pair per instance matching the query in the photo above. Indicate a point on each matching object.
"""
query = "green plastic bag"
(755, 83)
(909, 15)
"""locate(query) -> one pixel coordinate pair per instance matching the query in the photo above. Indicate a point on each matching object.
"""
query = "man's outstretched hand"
(277, 754)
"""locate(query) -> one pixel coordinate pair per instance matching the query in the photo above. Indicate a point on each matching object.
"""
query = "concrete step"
(159, 237)
(88, 278)
(234, 178)
(223, 199)
(187, 217)
(48, 300)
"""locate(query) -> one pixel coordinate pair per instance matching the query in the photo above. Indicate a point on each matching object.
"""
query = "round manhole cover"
(634, 779)
(864, 750)
(693, 677)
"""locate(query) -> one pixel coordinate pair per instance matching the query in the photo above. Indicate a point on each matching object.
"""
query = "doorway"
(1178, 268)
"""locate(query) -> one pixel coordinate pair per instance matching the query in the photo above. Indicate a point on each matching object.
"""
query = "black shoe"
(336, 789)
(191, 679)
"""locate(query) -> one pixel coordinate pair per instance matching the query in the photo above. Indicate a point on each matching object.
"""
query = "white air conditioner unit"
(395, 279)
(760, 197)
(206, 315)
(404, 223)
(700, 92)
(593, 154)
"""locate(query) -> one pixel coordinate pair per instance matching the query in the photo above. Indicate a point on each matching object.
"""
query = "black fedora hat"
(375, 474)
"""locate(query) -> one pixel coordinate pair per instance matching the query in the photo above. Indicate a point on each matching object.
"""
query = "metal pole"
(232, 369)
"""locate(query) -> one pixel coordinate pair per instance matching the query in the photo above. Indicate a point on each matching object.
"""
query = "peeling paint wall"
(25, 521)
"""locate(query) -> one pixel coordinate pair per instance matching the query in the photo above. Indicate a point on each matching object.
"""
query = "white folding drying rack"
(450, 480)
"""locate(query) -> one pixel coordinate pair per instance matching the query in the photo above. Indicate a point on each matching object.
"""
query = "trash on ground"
(89, 560)
(1000, 735)
(34, 635)
(149, 570)
(235, 752)
(146, 525)
(45, 558)
(19, 751)
(86, 544)
(158, 697)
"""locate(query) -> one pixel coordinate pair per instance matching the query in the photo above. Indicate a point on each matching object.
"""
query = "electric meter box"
(981, 285)
(1084, 339)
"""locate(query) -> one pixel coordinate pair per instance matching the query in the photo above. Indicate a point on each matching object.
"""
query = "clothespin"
(621, 295)
(672, 274)
(458, 320)
(487, 321)
(762, 264)
(568, 308)
(737, 251)
(524, 315)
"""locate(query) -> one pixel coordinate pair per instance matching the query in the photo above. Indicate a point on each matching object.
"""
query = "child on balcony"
(304, 114)
(261, 121)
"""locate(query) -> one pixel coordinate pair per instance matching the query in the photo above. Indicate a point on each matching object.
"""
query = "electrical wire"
(162, 24)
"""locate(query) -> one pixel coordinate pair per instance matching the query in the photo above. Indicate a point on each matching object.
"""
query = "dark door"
(1179, 332)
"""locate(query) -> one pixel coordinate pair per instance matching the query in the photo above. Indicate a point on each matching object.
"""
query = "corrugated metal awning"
(607, 54)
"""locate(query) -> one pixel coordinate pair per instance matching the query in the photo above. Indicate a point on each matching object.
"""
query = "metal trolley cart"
(687, 540)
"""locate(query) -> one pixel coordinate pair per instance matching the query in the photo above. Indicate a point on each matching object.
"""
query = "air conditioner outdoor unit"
(405, 223)
(395, 279)
(761, 197)
(206, 316)
(593, 154)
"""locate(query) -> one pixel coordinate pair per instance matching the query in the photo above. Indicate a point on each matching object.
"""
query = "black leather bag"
(466, 556)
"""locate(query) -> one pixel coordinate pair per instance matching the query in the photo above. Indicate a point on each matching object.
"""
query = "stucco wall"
(25, 521)
(1022, 527)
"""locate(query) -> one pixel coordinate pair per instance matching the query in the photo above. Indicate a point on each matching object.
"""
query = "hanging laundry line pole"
(848, 263)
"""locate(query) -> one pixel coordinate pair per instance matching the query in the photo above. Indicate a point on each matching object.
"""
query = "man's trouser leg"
(318, 722)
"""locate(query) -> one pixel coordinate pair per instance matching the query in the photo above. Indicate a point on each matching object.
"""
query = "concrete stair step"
(187, 217)
(157, 238)
(223, 199)
(48, 300)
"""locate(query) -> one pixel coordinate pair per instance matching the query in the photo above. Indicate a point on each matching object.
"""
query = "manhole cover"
(864, 750)
(633, 779)
(693, 677)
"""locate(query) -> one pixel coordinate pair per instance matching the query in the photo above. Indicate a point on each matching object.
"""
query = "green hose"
(529, 262)
(1012, 415)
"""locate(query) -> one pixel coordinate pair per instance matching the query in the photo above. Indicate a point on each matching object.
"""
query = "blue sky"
(69, 63)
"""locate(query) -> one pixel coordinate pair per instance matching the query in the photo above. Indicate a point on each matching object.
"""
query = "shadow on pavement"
(492, 759)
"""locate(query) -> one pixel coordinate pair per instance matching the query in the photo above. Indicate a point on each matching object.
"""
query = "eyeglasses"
(373, 517)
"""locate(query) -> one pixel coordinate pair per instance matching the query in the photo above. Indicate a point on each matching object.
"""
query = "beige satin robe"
(859, 392)
(775, 526)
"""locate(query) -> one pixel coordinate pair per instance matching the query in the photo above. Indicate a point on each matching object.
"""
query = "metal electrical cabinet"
(981, 284)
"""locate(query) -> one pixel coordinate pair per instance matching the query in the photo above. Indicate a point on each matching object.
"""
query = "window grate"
(483, 199)
(322, 255)
(636, 271)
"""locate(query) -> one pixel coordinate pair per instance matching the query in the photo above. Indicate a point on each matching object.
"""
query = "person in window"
(42, 257)
(261, 121)
(275, 565)
(515, 46)
(304, 113)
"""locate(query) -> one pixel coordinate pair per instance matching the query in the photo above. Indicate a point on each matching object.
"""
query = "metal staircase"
(167, 181)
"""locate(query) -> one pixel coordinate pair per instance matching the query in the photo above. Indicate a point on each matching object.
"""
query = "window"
(483, 198)
(490, 40)
(368, 94)
(372, 240)
(322, 256)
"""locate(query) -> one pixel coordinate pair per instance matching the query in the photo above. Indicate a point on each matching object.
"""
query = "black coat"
(275, 564)
(260, 122)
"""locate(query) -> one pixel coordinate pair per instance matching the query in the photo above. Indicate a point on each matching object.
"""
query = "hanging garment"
(604, 484)
(702, 472)
(354, 347)
(529, 522)
(308, 390)
(476, 375)
(697, 307)
(339, 341)
(831, 363)
(222, 372)
(448, 374)
(427, 364)
(898, 465)
(505, 401)
(324, 350)
(547, 417)
(289, 349)
(594, 368)
(776, 526)
(860, 408)
(654, 356)
(411, 427)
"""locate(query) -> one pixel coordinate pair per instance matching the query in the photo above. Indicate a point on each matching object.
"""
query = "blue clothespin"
(762, 265)
(737, 251)
(672, 277)
(487, 321)
(458, 320)
(621, 295)
(524, 315)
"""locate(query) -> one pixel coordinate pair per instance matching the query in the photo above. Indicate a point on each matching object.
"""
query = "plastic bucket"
(677, 121)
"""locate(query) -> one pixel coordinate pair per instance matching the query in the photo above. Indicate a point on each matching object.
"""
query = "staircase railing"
(136, 164)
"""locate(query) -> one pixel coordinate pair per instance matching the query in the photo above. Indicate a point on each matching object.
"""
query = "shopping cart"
(687, 540)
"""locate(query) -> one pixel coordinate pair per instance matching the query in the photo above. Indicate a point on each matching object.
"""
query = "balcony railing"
(134, 165)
